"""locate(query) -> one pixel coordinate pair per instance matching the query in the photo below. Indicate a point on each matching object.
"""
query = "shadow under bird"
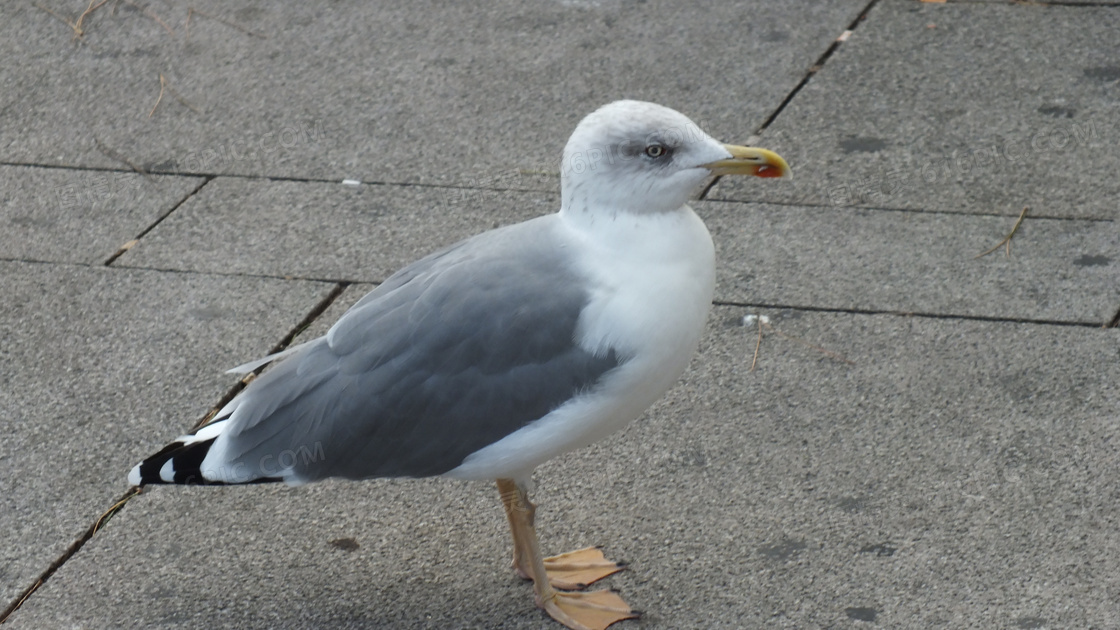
(490, 357)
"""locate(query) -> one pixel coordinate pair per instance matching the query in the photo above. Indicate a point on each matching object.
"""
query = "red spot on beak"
(766, 170)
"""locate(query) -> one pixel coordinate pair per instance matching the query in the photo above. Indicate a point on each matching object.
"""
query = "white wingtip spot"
(134, 475)
(167, 472)
(205, 433)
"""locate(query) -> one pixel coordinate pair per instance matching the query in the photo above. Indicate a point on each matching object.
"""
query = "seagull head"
(643, 158)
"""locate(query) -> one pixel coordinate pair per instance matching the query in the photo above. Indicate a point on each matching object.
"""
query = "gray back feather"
(449, 355)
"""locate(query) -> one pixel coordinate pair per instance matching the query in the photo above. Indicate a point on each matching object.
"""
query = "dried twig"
(530, 171)
(113, 510)
(29, 593)
(89, 9)
(165, 84)
(757, 345)
(162, 84)
(807, 344)
(74, 27)
(762, 320)
(207, 419)
(185, 102)
(108, 152)
(151, 14)
(223, 21)
(1007, 239)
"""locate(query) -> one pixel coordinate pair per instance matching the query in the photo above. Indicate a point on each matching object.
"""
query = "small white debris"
(844, 36)
(749, 320)
(351, 182)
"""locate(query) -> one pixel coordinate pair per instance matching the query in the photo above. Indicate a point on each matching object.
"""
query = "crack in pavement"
(118, 504)
(57, 563)
(813, 69)
(923, 315)
(284, 342)
(346, 282)
(130, 244)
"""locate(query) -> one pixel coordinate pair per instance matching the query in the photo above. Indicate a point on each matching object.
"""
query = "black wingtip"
(186, 456)
(186, 465)
(149, 468)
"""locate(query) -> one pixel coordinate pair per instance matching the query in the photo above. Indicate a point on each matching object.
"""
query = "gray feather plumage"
(449, 355)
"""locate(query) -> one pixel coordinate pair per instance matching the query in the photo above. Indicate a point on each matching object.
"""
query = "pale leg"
(570, 571)
(579, 611)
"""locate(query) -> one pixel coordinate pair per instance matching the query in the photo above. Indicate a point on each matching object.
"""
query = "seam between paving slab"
(924, 315)
(120, 502)
(74, 547)
(1052, 3)
(813, 69)
(342, 283)
(124, 248)
(701, 197)
(312, 315)
(816, 67)
(217, 274)
(325, 303)
(801, 204)
(1115, 321)
(272, 178)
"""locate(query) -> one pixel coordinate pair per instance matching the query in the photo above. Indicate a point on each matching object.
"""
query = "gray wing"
(449, 355)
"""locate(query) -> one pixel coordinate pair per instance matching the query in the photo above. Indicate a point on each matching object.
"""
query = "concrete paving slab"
(320, 230)
(80, 216)
(1102, 3)
(876, 260)
(779, 255)
(401, 92)
(972, 108)
(958, 473)
(98, 366)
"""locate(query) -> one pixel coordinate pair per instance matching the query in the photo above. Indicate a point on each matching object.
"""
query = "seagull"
(503, 351)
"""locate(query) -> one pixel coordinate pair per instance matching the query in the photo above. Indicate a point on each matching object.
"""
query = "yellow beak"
(750, 161)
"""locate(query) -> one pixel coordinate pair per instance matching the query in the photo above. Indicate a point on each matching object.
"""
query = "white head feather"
(631, 156)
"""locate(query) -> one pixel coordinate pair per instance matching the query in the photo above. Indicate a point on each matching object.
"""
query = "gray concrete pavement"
(86, 386)
(323, 230)
(401, 92)
(957, 469)
(959, 473)
(844, 258)
(964, 107)
(63, 215)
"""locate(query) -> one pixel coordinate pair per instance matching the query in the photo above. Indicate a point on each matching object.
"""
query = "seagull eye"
(657, 150)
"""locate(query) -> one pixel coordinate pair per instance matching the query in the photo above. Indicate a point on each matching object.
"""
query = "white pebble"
(749, 320)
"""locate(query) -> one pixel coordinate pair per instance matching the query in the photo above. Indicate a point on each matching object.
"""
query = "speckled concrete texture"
(974, 108)
(918, 438)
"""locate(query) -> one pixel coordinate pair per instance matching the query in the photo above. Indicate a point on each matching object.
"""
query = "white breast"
(652, 280)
